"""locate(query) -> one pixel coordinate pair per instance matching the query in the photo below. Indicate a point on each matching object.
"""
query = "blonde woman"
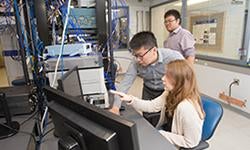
(180, 105)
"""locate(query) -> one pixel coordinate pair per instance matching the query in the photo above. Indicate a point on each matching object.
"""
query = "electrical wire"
(48, 132)
(57, 63)
(19, 131)
(43, 119)
(62, 44)
(32, 116)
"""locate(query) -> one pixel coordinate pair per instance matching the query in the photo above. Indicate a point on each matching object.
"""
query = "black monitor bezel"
(74, 129)
(126, 130)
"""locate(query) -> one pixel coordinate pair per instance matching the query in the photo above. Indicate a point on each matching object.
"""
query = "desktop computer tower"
(19, 100)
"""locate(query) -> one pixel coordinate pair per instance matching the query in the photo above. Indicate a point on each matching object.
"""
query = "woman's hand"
(123, 96)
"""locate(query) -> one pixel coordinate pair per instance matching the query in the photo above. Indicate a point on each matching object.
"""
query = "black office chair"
(214, 112)
(152, 118)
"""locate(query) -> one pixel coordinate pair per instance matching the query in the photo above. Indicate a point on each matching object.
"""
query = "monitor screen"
(70, 83)
(87, 126)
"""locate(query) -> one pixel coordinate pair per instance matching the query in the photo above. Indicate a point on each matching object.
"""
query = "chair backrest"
(214, 113)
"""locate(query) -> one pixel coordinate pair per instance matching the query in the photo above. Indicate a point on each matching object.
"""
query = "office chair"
(214, 113)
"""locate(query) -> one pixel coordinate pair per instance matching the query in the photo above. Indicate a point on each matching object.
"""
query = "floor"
(3, 78)
(232, 133)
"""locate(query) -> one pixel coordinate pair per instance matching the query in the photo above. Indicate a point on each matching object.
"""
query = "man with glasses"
(179, 39)
(148, 63)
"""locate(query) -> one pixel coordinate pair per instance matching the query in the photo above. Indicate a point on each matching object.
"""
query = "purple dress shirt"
(182, 41)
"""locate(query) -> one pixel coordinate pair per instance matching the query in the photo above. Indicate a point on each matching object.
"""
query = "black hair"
(173, 12)
(144, 39)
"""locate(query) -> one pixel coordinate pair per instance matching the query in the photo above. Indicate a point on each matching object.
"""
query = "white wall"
(212, 81)
(135, 5)
(122, 59)
(144, 3)
(155, 2)
(14, 68)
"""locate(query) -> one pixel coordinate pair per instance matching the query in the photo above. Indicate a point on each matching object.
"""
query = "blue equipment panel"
(83, 18)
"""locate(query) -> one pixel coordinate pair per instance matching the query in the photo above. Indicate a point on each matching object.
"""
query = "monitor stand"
(9, 128)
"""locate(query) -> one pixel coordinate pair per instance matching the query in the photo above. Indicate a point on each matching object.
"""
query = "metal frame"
(247, 35)
(21, 46)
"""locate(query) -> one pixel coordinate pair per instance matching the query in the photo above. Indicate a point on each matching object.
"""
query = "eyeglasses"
(141, 56)
(169, 21)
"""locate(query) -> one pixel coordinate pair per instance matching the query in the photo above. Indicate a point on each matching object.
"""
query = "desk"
(148, 137)
(21, 140)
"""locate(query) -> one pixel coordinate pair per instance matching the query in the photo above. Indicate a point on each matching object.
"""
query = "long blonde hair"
(182, 77)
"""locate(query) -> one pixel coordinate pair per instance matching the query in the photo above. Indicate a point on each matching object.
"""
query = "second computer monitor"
(70, 83)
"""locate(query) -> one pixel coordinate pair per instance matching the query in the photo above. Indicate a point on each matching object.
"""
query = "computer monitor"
(70, 83)
(87, 126)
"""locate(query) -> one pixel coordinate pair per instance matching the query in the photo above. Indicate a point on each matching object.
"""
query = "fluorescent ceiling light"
(191, 2)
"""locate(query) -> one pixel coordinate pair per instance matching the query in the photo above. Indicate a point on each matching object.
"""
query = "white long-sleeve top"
(186, 127)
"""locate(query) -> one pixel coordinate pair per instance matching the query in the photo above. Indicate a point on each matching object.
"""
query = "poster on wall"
(208, 31)
(204, 31)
